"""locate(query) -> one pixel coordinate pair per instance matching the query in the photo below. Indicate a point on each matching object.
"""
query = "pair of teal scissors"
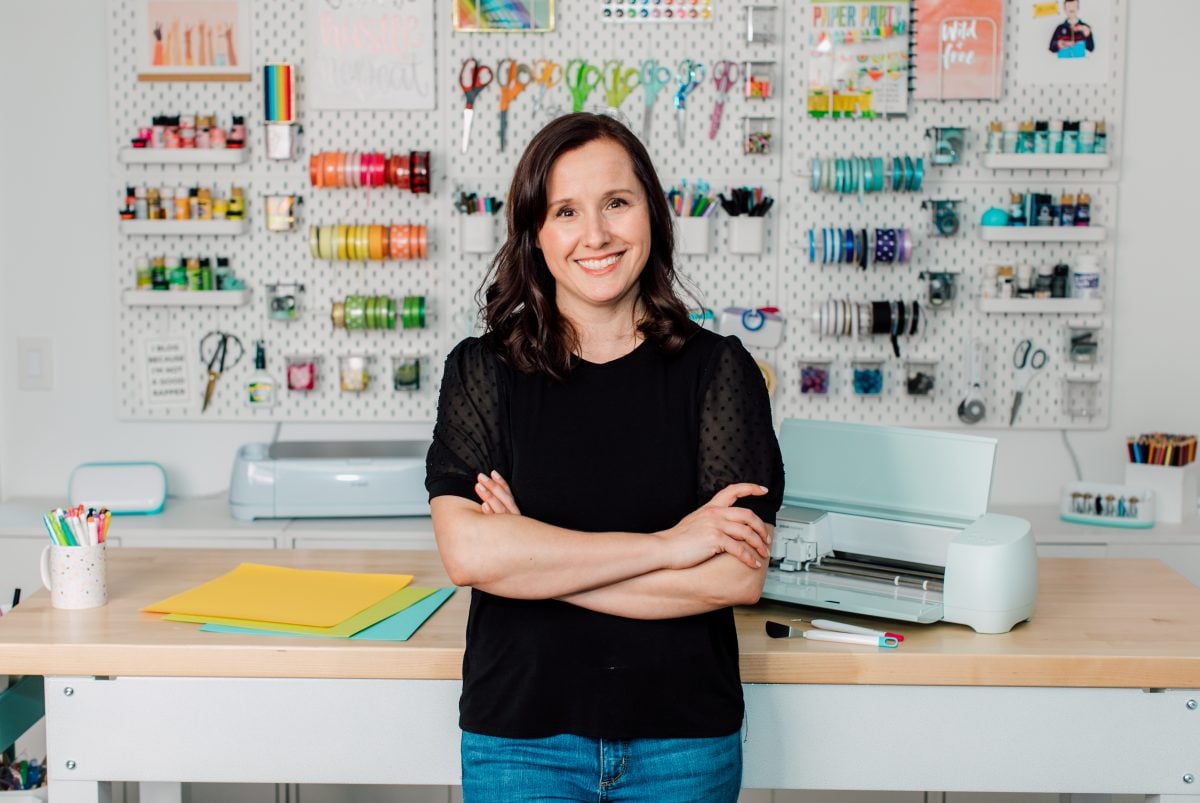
(582, 78)
(473, 78)
(547, 75)
(618, 83)
(654, 78)
(514, 78)
(725, 75)
(689, 76)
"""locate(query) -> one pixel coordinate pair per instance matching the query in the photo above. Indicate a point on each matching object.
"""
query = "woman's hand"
(719, 527)
(495, 494)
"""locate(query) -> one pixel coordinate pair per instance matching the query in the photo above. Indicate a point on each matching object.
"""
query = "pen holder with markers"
(747, 235)
(693, 235)
(279, 111)
(1108, 505)
(73, 564)
(478, 233)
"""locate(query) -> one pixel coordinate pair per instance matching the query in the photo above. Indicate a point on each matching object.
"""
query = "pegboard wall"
(782, 276)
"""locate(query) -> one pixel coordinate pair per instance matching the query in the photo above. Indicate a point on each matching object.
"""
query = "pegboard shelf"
(168, 227)
(1047, 161)
(1043, 234)
(191, 298)
(183, 156)
(1076, 306)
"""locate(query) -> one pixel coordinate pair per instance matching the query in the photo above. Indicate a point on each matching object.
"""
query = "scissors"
(1027, 360)
(619, 82)
(473, 77)
(215, 351)
(582, 78)
(514, 79)
(654, 78)
(547, 75)
(690, 76)
(725, 75)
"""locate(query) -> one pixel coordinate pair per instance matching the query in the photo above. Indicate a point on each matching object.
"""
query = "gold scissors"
(214, 350)
(619, 82)
(582, 78)
(514, 79)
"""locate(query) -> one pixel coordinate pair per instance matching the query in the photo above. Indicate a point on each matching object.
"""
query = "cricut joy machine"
(893, 522)
(298, 479)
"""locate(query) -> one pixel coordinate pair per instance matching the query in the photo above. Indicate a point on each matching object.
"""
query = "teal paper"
(397, 627)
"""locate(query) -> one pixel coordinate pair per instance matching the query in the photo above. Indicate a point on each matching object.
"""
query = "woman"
(604, 475)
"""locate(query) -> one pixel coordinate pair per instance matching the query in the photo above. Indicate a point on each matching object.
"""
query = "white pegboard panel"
(451, 277)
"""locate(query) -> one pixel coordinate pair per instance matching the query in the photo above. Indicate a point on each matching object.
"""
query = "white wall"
(56, 219)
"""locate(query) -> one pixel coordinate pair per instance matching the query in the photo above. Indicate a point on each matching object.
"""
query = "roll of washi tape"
(848, 246)
(356, 312)
(326, 235)
(815, 179)
(376, 245)
(916, 317)
(341, 241)
(812, 246)
(420, 172)
(394, 242)
(314, 169)
(364, 242)
(391, 313)
(905, 244)
(421, 309)
(424, 255)
(918, 173)
(877, 172)
(897, 174)
(313, 247)
(400, 171)
(868, 175)
(885, 245)
(836, 236)
(908, 173)
(338, 314)
(408, 313)
(861, 248)
(369, 320)
(768, 375)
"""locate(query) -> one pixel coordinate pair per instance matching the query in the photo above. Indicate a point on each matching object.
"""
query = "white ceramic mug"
(75, 576)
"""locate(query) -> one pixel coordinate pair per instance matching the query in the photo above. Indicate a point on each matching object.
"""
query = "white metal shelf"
(190, 298)
(168, 227)
(1076, 306)
(1043, 234)
(1047, 161)
(183, 156)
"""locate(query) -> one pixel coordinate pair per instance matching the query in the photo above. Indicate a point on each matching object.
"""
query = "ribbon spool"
(337, 169)
(365, 312)
(355, 242)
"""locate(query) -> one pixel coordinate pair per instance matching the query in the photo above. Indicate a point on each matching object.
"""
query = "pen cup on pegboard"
(693, 235)
(478, 233)
(279, 110)
(747, 234)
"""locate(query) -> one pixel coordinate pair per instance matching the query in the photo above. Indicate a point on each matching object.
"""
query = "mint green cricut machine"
(892, 522)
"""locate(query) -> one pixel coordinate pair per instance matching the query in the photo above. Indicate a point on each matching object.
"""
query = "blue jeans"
(574, 768)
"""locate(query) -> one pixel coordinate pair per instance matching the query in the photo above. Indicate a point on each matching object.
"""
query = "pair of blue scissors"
(582, 78)
(472, 78)
(1028, 359)
(689, 76)
(654, 78)
(514, 79)
(618, 83)
(725, 75)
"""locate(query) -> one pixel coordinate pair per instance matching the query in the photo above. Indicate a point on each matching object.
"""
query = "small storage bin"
(1107, 505)
(1174, 488)
(747, 235)
(867, 377)
(758, 135)
(301, 373)
(815, 375)
(354, 373)
(478, 233)
(1083, 342)
(693, 235)
(920, 377)
(1081, 396)
(759, 83)
(762, 24)
(283, 301)
(406, 373)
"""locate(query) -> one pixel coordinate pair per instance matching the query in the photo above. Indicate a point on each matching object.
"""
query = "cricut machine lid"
(887, 472)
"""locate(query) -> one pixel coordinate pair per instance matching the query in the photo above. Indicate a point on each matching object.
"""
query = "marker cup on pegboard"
(279, 110)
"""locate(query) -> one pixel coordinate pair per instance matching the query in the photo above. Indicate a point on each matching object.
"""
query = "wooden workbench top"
(1108, 623)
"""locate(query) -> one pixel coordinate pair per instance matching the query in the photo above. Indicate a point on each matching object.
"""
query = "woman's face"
(596, 235)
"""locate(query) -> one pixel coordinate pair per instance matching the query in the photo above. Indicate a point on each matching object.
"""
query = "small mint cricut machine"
(301, 479)
(892, 522)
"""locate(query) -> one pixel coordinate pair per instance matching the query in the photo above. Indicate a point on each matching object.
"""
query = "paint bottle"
(183, 210)
(1101, 145)
(1083, 209)
(1016, 212)
(237, 133)
(1066, 210)
(260, 389)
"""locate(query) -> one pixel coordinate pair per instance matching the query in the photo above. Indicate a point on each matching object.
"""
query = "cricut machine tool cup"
(75, 576)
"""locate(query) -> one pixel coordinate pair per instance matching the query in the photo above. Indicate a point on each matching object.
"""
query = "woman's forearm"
(522, 558)
(669, 593)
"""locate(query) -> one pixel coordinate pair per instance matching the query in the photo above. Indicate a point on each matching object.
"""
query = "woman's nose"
(597, 233)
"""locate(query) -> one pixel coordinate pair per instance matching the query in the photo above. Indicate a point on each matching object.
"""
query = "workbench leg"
(80, 791)
(160, 792)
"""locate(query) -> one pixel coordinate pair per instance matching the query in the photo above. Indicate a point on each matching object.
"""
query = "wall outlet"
(35, 363)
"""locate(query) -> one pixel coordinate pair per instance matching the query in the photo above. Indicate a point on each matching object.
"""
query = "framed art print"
(193, 40)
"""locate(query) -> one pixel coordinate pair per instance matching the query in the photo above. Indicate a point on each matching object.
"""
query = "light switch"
(35, 363)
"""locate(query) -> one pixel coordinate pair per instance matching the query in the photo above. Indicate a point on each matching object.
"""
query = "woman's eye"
(566, 211)
(615, 202)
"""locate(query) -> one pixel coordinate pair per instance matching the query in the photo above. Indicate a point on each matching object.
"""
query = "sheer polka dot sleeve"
(737, 438)
(467, 438)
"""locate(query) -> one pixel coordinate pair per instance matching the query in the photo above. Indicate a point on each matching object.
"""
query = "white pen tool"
(779, 630)
(842, 627)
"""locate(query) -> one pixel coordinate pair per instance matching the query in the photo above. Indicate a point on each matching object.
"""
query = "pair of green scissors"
(582, 78)
(618, 83)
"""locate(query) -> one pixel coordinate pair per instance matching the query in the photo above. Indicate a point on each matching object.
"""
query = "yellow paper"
(360, 621)
(284, 595)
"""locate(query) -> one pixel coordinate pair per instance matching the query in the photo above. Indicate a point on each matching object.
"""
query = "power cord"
(1074, 457)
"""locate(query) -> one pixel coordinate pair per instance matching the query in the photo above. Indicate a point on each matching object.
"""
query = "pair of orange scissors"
(725, 75)
(514, 79)
(473, 78)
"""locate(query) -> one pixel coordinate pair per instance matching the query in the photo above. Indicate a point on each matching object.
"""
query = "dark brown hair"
(520, 313)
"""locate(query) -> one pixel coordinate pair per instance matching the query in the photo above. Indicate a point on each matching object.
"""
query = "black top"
(631, 445)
